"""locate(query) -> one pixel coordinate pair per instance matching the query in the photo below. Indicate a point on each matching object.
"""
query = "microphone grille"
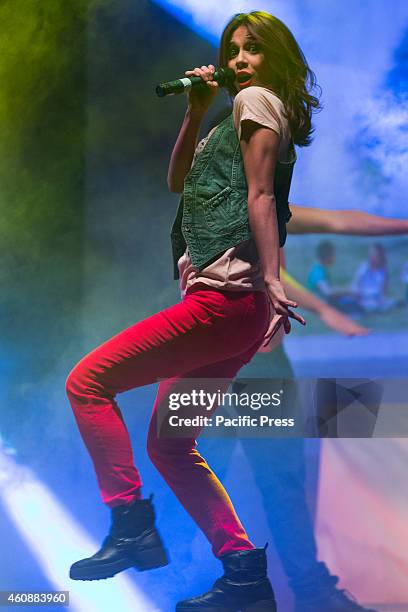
(227, 76)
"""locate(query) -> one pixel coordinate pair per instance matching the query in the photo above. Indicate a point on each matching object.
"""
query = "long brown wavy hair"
(291, 79)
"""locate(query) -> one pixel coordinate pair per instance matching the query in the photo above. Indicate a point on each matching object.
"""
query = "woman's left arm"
(259, 147)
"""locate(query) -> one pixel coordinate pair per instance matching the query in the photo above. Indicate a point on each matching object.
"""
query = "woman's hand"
(341, 323)
(200, 98)
(281, 310)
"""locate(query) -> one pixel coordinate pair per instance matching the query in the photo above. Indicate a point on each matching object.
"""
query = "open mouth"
(244, 77)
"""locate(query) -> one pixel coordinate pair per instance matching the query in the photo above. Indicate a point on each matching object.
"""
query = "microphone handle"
(178, 86)
(171, 88)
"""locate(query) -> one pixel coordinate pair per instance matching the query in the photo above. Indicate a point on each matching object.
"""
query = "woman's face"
(246, 59)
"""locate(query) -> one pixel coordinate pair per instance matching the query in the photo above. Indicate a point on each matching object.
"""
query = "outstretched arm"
(307, 220)
(328, 315)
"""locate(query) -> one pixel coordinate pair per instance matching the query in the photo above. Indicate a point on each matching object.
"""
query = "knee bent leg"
(78, 384)
(168, 452)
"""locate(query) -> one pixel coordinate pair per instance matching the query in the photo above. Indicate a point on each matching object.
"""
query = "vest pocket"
(225, 210)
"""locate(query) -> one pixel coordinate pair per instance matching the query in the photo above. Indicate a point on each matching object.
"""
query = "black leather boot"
(244, 586)
(133, 541)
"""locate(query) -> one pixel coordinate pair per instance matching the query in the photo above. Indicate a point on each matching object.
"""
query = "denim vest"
(212, 214)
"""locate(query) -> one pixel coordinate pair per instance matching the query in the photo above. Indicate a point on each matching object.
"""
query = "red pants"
(210, 334)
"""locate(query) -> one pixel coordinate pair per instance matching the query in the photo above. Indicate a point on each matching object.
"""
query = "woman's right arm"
(199, 100)
(183, 151)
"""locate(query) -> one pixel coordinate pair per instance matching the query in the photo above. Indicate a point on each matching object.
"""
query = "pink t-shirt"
(238, 268)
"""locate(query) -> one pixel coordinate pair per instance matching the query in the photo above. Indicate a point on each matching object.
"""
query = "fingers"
(358, 331)
(274, 325)
(296, 316)
(284, 311)
(205, 72)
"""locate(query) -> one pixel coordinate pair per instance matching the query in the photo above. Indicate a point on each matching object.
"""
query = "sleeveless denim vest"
(212, 214)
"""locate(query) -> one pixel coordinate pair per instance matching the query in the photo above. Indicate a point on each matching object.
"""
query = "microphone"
(223, 76)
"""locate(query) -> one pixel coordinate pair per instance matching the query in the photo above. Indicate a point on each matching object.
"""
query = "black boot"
(244, 586)
(133, 541)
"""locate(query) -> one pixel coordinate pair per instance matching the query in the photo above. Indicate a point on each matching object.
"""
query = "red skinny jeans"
(209, 334)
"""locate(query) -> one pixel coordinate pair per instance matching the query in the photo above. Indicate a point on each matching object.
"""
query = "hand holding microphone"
(199, 97)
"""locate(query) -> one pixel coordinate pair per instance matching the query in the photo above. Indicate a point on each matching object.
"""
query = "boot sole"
(259, 606)
(149, 559)
(197, 609)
